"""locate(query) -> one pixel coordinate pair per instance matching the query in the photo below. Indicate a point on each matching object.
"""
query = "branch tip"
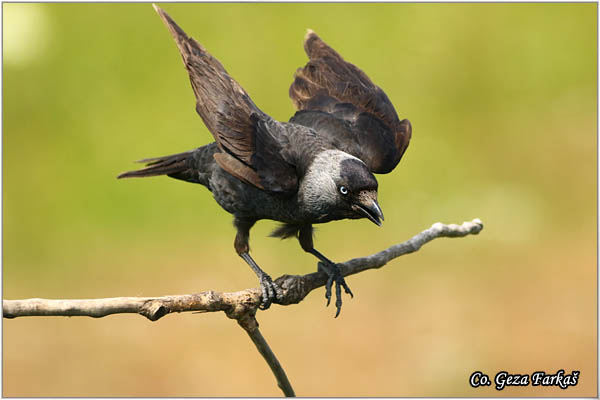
(237, 305)
(242, 305)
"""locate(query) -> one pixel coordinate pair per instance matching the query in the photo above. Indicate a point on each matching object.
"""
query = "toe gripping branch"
(271, 292)
(335, 275)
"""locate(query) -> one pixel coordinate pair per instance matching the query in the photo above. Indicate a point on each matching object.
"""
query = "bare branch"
(250, 325)
(235, 304)
(242, 305)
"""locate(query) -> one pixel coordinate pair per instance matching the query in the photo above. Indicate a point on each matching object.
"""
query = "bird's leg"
(327, 266)
(270, 290)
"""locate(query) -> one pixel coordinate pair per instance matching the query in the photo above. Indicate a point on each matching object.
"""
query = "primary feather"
(347, 109)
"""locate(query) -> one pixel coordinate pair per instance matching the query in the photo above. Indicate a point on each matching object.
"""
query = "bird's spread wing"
(244, 134)
(341, 103)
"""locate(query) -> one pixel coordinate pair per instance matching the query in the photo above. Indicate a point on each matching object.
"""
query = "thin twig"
(250, 325)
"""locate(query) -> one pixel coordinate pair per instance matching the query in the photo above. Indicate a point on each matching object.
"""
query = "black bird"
(318, 167)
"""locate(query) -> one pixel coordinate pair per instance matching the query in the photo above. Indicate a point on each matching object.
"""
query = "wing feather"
(237, 124)
(328, 88)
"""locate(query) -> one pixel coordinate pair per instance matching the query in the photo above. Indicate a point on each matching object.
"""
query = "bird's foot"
(271, 292)
(335, 275)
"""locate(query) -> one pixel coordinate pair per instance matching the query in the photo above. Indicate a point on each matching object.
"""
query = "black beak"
(371, 210)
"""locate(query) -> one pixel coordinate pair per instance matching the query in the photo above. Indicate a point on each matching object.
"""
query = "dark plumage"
(316, 168)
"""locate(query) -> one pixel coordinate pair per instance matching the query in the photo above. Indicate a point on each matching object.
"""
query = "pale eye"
(343, 190)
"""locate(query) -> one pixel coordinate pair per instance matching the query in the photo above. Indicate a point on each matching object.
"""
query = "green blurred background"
(502, 98)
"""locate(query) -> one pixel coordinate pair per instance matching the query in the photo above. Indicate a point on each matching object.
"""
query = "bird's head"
(338, 185)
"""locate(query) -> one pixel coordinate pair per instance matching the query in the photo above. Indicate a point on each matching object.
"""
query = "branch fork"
(242, 305)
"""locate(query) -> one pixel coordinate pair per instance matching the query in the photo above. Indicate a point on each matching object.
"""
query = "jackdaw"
(316, 168)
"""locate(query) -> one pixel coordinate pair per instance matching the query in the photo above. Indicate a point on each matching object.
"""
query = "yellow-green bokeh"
(503, 101)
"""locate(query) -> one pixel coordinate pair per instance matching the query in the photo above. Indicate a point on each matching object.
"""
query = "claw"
(335, 275)
(328, 289)
(347, 289)
(270, 292)
(338, 299)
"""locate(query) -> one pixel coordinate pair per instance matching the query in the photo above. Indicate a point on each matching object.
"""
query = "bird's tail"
(191, 166)
(166, 165)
